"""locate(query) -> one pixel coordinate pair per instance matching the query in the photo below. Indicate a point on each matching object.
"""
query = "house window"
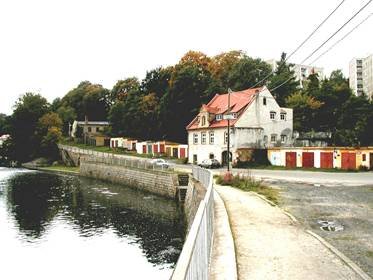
(283, 138)
(225, 137)
(273, 138)
(264, 101)
(283, 116)
(265, 139)
(203, 137)
(195, 138)
(364, 157)
(234, 115)
(219, 117)
(212, 137)
(89, 129)
(203, 121)
(272, 115)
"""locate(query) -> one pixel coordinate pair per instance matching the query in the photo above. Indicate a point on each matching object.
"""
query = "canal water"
(67, 227)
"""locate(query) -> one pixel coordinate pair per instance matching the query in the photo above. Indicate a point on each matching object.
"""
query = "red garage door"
(326, 160)
(348, 160)
(144, 149)
(161, 148)
(291, 159)
(182, 152)
(308, 159)
(155, 148)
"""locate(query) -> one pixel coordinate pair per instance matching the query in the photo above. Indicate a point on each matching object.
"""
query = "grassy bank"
(248, 184)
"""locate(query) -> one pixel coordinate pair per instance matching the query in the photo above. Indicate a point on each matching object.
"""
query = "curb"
(224, 265)
(344, 258)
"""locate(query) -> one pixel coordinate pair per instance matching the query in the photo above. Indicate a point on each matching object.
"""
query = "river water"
(67, 227)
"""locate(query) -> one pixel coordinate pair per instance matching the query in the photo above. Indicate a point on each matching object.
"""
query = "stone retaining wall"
(157, 182)
(195, 194)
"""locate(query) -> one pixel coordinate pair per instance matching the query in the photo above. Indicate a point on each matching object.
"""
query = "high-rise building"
(361, 76)
(301, 71)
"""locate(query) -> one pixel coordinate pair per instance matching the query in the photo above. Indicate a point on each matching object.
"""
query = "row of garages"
(157, 148)
(326, 157)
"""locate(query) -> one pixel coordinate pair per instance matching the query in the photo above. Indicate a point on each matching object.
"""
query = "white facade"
(261, 124)
(361, 76)
(302, 72)
(116, 142)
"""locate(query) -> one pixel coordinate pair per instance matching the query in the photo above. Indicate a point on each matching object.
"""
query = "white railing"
(194, 259)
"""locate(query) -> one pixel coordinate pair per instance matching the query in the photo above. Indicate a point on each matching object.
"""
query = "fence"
(113, 159)
(194, 259)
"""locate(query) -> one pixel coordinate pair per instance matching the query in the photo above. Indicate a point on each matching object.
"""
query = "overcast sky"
(50, 46)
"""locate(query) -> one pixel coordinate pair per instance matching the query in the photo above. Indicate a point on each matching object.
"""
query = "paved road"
(270, 246)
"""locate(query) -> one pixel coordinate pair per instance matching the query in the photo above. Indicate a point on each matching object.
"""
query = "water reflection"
(91, 207)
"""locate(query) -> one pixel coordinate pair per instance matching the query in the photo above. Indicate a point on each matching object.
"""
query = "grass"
(248, 184)
(369, 254)
(61, 168)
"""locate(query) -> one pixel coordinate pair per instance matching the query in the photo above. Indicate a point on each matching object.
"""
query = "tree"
(188, 90)
(305, 107)
(4, 124)
(283, 82)
(23, 122)
(222, 64)
(67, 115)
(157, 81)
(122, 88)
(89, 100)
(49, 131)
(246, 73)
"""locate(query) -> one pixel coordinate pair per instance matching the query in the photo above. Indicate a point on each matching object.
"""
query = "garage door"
(308, 159)
(291, 159)
(326, 160)
(348, 160)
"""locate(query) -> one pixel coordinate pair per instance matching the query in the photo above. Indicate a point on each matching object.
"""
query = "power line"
(340, 40)
(336, 32)
(301, 45)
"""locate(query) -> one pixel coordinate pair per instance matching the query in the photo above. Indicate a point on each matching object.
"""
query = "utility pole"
(228, 129)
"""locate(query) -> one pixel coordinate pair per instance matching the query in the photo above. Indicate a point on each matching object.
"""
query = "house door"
(348, 160)
(195, 159)
(326, 160)
(371, 161)
(224, 158)
(307, 159)
(144, 149)
(291, 159)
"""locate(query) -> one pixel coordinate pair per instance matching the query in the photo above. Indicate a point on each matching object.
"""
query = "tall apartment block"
(301, 71)
(361, 76)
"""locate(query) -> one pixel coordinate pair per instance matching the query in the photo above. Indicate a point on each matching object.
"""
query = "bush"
(248, 183)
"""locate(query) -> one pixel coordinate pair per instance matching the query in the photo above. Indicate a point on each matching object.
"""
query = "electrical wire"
(340, 40)
(336, 32)
(301, 45)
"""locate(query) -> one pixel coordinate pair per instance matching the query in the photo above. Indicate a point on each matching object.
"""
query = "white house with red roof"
(258, 122)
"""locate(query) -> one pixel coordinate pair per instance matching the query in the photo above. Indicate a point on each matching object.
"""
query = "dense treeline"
(166, 100)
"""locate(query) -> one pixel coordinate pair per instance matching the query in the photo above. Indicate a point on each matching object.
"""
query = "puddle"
(330, 225)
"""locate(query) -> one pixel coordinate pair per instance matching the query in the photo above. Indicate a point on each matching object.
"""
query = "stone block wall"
(161, 183)
(195, 194)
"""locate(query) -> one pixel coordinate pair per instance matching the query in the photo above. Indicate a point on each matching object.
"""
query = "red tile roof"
(219, 105)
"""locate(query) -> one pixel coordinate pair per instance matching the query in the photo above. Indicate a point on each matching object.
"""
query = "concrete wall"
(195, 194)
(157, 182)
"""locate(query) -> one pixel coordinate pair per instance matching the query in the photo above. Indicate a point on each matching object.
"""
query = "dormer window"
(203, 122)
(219, 117)
(264, 101)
